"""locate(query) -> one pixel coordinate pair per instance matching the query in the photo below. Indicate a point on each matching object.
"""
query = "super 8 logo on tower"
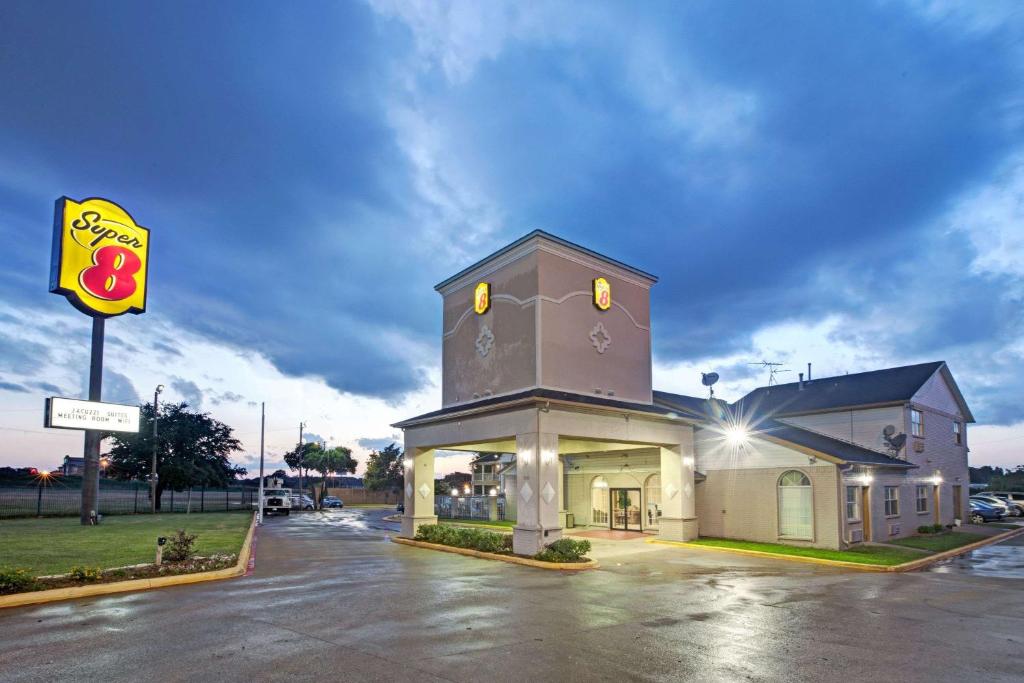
(100, 257)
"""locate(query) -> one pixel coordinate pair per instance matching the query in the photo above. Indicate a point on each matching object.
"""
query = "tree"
(192, 450)
(384, 469)
(331, 461)
(300, 459)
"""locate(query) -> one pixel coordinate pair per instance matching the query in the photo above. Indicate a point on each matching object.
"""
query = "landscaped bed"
(66, 554)
(562, 551)
(505, 524)
(866, 554)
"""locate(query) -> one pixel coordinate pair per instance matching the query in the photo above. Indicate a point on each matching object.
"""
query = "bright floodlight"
(736, 435)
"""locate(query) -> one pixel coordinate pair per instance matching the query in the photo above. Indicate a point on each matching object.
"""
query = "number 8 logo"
(112, 276)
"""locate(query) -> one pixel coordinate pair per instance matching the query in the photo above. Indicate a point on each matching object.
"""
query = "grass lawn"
(937, 543)
(54, 545)
(506, 524)
(868, 554)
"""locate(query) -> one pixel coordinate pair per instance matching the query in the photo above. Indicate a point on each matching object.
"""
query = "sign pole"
(263, 425)
(91, 474)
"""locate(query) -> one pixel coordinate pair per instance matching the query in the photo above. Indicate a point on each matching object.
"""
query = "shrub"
(86, 574)
(179, 546)
(16, 580)
(458, 537)
(938, 528)
(564, 550)
(924, 529)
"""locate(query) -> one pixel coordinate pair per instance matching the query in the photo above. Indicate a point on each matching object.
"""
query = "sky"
(828, 182)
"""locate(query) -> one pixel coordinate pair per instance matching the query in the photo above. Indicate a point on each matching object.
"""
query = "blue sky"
(840, 183)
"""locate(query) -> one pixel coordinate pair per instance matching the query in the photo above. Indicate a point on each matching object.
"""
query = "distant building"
(72, 467)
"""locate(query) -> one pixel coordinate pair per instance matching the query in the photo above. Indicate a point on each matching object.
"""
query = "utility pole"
(88, 513)
(152, 472)
(302, 459)
(263, 426)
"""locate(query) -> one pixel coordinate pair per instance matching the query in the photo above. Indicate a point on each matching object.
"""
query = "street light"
(156, 418)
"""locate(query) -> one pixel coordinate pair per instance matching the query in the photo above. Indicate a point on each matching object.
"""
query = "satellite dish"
(708, 378)
(889, 430)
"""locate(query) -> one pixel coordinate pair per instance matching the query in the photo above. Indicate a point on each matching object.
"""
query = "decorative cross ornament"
(484, 341)
(600, 338)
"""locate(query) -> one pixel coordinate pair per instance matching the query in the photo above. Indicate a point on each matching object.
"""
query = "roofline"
(553, 238)
(525, 401)
(818, 380)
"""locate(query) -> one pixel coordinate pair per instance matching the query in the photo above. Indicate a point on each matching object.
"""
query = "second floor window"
(958, 437)
(916, 422)
(922, 498)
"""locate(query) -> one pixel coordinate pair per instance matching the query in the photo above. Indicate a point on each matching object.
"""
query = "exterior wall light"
(736, 435)
(866, 479)
(937, 479)
(494, 493)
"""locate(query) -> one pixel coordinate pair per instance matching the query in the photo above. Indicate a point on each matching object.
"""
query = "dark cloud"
(21, 356)
(189, 391)
(47, 387)
(769, 165)
(117, 388)
(216, 398)
(166, 349)
(10, 386)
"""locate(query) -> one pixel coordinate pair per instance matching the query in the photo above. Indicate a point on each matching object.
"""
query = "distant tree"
(279, 474)
(301, 457)
(192, 450)
(384, 469)
(331, 461)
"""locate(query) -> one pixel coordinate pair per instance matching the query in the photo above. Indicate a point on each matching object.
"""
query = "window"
(892, 501)
(922, 498)
(958, 437)
(852, 504)
(916, 422)
(796, 512)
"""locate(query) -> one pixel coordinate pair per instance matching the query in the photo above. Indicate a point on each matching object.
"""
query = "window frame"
(921, 496)
(856, 517)
(958, 433)
(917, 427)
(805, 484)
(895, 501)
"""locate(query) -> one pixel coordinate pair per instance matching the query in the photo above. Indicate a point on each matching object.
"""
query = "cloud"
(48, 388)
(117, 388)
(379, 443)
(10, 386)
(22, 356)
(189, 391)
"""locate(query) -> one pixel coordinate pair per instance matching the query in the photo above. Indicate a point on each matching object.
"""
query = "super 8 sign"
(100, 257)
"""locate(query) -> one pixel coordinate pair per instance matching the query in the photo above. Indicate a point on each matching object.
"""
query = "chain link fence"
(57, 499)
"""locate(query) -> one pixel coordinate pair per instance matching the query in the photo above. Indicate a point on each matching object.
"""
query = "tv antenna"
(708, 379)
(773, 370)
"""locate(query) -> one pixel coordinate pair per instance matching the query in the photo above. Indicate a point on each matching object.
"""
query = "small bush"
(16, 580)
(564, 550)
(924, 529)
(458, 537)
(86, 574)
(179, 547)
(938, 528)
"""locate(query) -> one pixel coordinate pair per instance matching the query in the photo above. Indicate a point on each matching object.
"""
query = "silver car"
(302, 502)
(1014, 499)
(988, 499)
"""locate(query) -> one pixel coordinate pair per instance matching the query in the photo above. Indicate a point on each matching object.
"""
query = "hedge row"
(562, 550)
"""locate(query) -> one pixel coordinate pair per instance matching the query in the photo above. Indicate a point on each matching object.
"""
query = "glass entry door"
(625, 509)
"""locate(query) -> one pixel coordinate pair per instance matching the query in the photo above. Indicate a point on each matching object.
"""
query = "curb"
(464, 525)
(56, 594)
(513, 559)
(881, 568)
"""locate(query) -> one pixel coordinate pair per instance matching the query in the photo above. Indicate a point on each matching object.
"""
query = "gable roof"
(861, 389)
(762, 426)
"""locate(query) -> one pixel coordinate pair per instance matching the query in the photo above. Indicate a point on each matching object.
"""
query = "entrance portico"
(546, 430)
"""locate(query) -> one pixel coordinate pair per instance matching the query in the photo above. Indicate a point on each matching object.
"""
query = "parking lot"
(332, 598)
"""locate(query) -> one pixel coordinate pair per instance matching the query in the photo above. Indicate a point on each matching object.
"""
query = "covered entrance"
(625, 505)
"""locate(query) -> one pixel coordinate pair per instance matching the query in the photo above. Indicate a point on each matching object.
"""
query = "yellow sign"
(100, 257)
(602, 294)
(482, 298)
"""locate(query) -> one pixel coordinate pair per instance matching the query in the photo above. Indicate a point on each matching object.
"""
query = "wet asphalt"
(331, 599)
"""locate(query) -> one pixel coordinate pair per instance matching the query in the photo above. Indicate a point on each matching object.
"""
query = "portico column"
(419, 490)
(678, 497)
(537, 485)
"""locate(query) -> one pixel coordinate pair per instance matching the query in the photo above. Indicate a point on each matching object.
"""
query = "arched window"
(796, 507)
(652, 499)
(599, 501)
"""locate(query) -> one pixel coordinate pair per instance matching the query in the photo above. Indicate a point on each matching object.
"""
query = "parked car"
(332, 502)
(302, 502)
(994, 502)
(982, 512)
(400, 508)
(1014, 499)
